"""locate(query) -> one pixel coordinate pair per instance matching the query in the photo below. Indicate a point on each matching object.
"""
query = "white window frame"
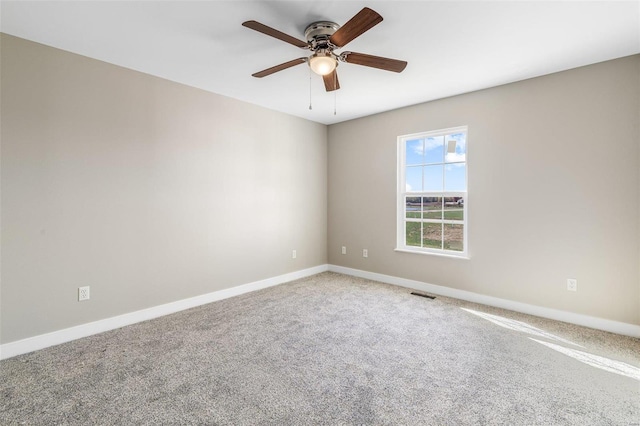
(402, 193)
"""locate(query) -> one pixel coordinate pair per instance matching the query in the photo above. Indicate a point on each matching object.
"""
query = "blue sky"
(428, 158)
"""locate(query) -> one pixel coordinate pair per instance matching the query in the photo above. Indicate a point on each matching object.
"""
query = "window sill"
(428, 253)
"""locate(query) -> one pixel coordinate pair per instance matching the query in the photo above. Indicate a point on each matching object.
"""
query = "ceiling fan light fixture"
(322, 37)
(322, 64)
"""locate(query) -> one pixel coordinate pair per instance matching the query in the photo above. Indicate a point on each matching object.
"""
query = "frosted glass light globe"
(322, 65)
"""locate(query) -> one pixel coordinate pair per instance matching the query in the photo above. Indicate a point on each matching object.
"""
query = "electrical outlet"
(365, 253)
(344, 250)
(572, 284)
(83, 293)
(294, 254)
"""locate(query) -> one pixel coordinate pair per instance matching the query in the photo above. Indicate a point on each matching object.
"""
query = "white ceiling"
(452, 47)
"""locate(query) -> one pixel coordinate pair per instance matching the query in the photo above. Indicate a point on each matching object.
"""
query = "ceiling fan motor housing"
(318, 33)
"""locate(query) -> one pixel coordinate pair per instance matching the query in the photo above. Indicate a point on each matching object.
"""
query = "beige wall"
(146, 190)
(553, 191)
(151, 192)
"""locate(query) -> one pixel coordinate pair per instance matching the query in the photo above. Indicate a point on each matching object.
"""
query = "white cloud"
(417, 146)
(433, 143)
(455, 156)
(450, 167)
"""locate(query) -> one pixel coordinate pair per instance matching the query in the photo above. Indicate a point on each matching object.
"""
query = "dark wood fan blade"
(280, 67)
(356, 26)
(331, 82)
(374, 61)
(262, 28)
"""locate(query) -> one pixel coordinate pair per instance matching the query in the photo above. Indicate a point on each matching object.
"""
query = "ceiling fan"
(323, 37)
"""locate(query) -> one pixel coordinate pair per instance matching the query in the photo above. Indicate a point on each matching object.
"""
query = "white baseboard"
(42, 341)
(555, 314)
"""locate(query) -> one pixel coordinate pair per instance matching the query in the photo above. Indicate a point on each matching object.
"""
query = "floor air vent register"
(423, 295)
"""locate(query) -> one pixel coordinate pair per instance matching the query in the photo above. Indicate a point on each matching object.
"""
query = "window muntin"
(432, 192)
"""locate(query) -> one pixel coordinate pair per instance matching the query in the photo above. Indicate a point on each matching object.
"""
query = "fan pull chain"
(310, 107)
(335, 92)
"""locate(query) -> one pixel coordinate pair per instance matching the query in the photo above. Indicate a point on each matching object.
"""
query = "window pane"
(412, 207)
(432, 235)
(434, 149)
(453, 237)
(456, 147)
(433, 178)
(414, 151)
(432, 207)
(455, 177)
(454, 208)
(413, 233)
(434, 172)
(414, 179)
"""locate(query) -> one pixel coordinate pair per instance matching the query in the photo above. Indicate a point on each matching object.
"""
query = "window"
(432, 192)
